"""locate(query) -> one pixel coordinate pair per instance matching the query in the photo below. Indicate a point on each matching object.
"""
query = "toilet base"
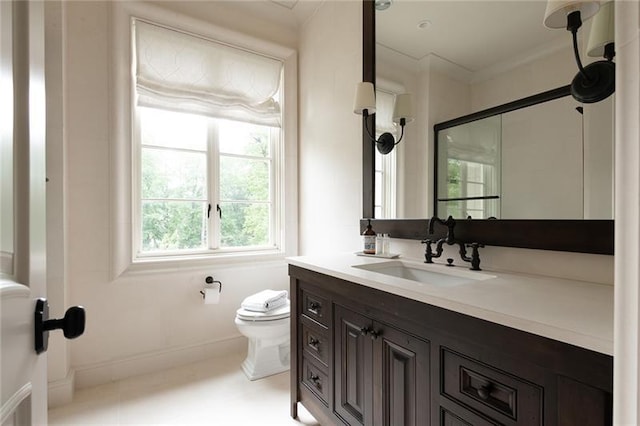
(263, 361)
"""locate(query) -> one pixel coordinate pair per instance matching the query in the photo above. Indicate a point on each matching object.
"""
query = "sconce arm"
(365, 114)
(402, 124)
(574, 22)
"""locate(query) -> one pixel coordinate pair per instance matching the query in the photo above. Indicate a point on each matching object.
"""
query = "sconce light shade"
(403, 108)
(365, 99)
(602, 31)
(555, 16)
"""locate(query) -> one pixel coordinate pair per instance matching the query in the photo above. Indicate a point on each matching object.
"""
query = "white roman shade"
(475, 142)
(178, 71)
(384, 112)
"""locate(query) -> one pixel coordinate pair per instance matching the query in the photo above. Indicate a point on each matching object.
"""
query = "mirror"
(445, 90)
(531, 159)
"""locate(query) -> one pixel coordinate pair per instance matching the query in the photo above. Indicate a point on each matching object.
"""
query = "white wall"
(146, 321)
(330, 153)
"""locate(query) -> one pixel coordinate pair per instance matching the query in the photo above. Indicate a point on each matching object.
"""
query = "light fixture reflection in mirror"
(365, 104)
(596, 81)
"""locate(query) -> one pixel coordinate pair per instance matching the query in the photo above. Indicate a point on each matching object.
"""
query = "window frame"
(124, 256)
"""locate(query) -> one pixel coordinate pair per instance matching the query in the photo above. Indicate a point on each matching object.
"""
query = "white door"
(22, 221)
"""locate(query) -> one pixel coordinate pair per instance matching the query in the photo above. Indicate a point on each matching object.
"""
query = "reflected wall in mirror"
(458, 64)
(535, 161)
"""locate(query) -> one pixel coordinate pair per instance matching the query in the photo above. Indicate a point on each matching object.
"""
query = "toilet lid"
(278, 313)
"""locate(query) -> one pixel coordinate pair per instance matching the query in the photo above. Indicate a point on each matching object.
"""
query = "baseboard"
(60, 392)
(105, 372)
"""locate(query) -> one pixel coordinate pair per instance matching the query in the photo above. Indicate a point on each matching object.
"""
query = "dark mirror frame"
(582, 236)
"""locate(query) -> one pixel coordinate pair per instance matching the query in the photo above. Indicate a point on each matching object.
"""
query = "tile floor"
(210, 392)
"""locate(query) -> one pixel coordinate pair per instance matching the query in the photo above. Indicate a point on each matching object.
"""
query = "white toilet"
(269, 341)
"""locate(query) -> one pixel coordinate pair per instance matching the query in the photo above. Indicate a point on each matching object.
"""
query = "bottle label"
(369, 244)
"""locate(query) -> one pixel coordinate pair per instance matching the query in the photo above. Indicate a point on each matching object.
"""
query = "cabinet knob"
(314, 342)
(313, 306)
(315, 379)
(375, 334)
(365, 330)
(484, 391)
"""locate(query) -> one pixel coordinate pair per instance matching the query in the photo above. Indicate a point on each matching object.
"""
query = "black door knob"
(72, 324)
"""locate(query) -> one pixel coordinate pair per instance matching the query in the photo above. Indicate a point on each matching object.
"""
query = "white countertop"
(576, 312)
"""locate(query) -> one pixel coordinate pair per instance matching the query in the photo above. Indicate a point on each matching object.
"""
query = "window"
(469, 172)
(469, 183)
(191, 202)
(207, 146)
(385, 165)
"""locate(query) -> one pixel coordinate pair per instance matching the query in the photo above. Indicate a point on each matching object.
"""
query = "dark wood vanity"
(364, 356)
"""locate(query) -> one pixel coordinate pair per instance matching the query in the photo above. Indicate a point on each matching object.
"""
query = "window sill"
(147, 265)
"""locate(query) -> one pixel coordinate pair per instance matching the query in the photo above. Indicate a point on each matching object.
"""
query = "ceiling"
(473, 34)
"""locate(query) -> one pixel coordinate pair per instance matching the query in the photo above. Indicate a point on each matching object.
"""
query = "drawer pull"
(313, 342)
(314, 306)
(484, 391)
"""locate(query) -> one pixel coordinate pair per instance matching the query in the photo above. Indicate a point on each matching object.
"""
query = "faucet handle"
(474, 245)
(475, 256)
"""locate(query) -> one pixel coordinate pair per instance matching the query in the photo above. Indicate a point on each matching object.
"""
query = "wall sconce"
(365, 104)
(596, 81)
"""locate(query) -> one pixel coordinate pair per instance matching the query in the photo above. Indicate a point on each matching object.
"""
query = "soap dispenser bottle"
(369, 240)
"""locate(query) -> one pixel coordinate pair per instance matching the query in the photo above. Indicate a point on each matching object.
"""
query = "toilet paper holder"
(209, 280)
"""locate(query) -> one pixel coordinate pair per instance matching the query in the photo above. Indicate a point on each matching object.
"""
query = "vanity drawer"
(316, 307)
(314, 378)
(315, 342)
(497, 394)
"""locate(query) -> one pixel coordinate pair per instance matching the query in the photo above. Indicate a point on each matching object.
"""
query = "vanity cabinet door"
(401, 378)
(381, 373)
(353, 366)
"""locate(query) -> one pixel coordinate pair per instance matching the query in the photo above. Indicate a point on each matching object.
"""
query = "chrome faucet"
(450, 239)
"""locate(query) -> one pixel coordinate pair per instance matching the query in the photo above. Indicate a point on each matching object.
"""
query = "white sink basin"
(436, 275)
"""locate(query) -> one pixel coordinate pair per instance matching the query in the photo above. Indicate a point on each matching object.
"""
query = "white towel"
(265, 301)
